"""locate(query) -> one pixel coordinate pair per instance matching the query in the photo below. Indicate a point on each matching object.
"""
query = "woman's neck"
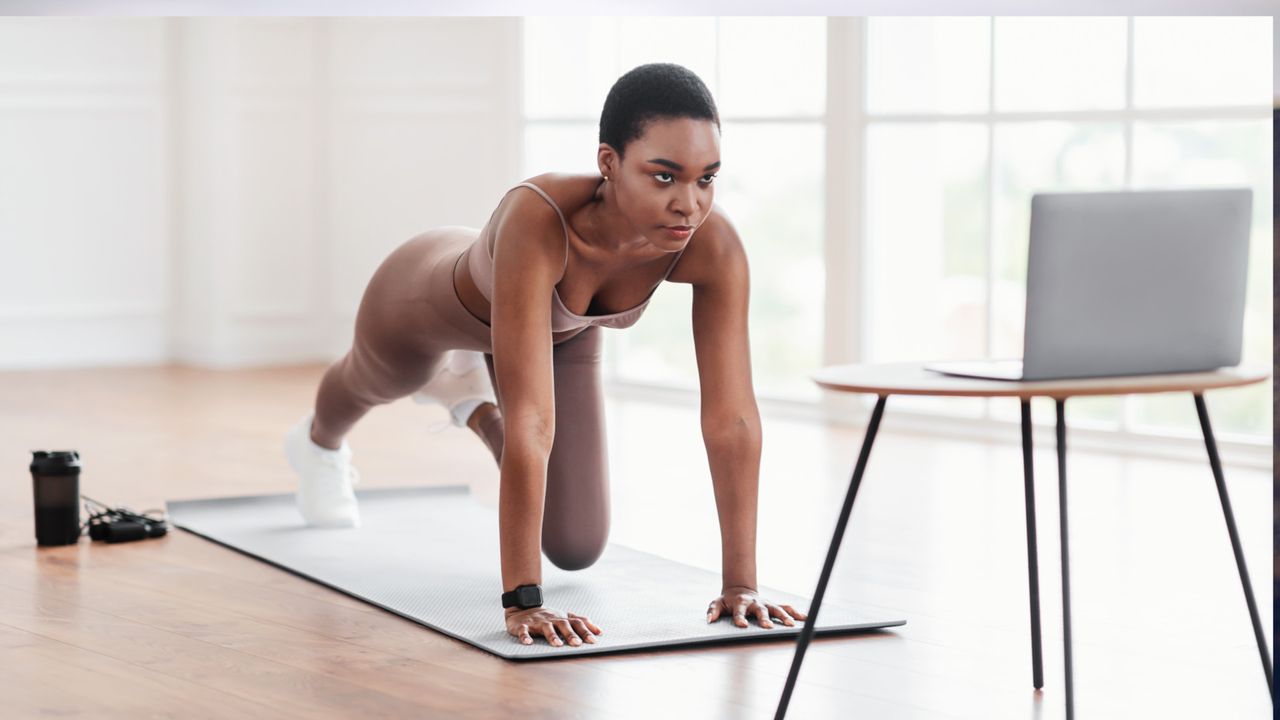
(605, 229)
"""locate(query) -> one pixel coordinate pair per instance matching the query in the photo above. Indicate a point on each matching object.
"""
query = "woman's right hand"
(551, 624)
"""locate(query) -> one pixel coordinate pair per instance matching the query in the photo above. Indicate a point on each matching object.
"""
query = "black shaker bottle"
(55, 479)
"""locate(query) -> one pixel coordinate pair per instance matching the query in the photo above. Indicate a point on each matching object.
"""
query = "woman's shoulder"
(569, 191)
(713, 249)
(528, 215)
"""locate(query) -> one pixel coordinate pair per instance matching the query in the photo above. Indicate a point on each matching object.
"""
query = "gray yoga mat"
(431, 556)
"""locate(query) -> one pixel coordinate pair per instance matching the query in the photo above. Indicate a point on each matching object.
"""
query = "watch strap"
(523, 597)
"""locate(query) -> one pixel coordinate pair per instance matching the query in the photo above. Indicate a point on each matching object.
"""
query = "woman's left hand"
(740, 602)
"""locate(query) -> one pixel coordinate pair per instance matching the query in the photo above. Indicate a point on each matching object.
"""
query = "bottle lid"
(55, 462)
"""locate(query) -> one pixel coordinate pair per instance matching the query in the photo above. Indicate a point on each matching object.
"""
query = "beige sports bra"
(480, 265)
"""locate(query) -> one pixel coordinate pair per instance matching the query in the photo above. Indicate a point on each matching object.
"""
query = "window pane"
(917, 64)
(1060, 63)
(557, 81)
(658, 349)
(926, 241)
(926, 247)
(1040, 157)
(1194, 61)
(691, 42)
(773, 66)
(771, 188)
(1033, 157)
(1207, 154)
(568, 147)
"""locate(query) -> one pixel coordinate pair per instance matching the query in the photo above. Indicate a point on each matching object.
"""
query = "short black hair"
(651, 92)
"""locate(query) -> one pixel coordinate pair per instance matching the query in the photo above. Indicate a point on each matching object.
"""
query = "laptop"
(1130, 282)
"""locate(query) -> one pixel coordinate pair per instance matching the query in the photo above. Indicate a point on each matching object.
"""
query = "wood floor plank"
(52, 677)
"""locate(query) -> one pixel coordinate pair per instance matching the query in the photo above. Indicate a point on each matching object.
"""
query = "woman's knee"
(576, 551)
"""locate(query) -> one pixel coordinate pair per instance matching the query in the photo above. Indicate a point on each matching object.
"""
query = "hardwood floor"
(179, 627)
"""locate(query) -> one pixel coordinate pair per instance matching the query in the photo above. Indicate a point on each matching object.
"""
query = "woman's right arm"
(528, 259)
(527, 264)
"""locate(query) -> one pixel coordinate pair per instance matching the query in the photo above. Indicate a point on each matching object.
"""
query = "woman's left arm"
(730, 420)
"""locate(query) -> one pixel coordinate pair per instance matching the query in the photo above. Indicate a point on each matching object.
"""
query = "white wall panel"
(84, 198)
(83, 192)
(273, 271)
(91, 52)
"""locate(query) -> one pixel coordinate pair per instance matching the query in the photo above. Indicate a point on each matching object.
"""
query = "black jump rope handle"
(124, 531)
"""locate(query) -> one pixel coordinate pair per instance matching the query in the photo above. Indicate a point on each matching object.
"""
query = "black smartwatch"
(523, 597)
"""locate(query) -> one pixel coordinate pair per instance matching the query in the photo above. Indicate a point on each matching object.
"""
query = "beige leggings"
(409, 319)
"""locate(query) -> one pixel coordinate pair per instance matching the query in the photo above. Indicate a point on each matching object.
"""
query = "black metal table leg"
(1033, 564)
(811, 620)
(1066, 580)
(1216, 465)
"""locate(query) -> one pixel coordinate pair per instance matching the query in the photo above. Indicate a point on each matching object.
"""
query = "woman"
(529, 292)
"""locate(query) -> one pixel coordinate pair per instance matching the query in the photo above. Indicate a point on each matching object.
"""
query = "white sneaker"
(461, 386)
(324, 496)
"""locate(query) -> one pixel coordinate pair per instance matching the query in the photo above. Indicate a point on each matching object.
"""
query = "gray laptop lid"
(1131, 282)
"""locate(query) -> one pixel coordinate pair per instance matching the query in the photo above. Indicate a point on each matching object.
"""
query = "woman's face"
(667, 179)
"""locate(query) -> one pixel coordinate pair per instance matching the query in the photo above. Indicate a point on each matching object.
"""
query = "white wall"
(217, 191)
(85, 192)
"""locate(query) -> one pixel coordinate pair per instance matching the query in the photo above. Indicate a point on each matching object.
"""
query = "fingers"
(762, 615)
(549, 630)
(795, 613)
(575, 629)
(566, 629)
(592, 626)
(580, 626)
(775, 611)
(713, 612)
(763, 612)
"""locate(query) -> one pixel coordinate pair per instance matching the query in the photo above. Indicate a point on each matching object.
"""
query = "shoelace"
(353, 475)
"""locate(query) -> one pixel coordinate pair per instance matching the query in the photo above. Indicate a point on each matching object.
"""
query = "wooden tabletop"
(911, 378)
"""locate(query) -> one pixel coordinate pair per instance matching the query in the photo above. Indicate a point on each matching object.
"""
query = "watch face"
(529, 596)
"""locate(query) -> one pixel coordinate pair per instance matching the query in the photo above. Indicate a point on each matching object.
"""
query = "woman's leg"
(362, 380)
(394, 352)
(575, 519)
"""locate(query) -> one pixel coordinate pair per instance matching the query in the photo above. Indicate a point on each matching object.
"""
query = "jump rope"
(120, 524)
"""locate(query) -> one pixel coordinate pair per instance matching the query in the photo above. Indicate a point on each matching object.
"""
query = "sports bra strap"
(564, 225)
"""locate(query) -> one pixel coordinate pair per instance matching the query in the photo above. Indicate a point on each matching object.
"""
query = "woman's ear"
(607, 160)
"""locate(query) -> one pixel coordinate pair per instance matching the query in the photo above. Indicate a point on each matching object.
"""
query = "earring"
(606, 178)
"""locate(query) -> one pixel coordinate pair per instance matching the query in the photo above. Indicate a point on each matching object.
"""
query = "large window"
(958, 122)
(772, 145)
